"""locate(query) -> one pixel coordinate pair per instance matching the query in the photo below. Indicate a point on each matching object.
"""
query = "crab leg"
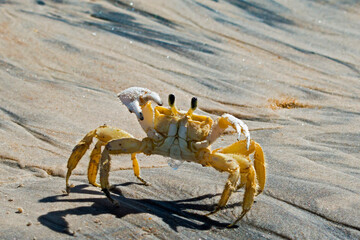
(77, 153)
(119, 146)
(240, 147)
(231, 163)
(136, 168)
(94, 163)
(104, 134)
(249, 195)
(238, 166)
(259, 164)
(242, 182)
(228, 189)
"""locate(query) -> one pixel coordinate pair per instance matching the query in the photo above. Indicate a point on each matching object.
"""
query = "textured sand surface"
(289, 69)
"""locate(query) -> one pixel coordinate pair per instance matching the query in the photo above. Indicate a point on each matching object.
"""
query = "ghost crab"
(179, 135)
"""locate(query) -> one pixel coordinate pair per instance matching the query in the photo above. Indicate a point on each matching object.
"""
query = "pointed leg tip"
(95, 184)
(116, 204)
(258, 192)
(143, 181)
(108, 195)
(232, 225)
(212, 212)
(237, 220)
(209, 213)
(68, 189)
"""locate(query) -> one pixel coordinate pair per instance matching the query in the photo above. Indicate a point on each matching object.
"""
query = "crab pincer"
(135, 97)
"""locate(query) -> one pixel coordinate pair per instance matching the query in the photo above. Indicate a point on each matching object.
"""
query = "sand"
(289, 69)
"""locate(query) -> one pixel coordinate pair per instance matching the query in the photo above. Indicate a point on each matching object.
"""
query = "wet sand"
(290, 70)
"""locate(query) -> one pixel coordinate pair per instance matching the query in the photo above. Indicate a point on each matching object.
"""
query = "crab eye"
(171, 99)
(194, 103)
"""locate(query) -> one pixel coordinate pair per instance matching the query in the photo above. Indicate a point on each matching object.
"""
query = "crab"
(181, 135)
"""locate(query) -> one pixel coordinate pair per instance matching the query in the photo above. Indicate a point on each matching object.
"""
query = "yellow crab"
(179, 135)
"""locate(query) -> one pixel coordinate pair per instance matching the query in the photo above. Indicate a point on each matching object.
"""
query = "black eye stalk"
(194, 102)
(193, 106)
(171, 100)
(174, 111)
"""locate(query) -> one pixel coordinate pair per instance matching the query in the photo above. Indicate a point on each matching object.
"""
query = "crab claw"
(240, 127)
(135, 97)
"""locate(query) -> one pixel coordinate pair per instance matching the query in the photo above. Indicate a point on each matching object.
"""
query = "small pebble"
(20, 185)
(20, 210)
(10, 200)
(28, 224)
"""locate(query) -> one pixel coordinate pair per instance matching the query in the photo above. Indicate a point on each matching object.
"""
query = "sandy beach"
(289, 69)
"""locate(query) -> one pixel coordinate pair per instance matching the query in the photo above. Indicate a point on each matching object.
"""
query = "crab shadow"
(174, 213)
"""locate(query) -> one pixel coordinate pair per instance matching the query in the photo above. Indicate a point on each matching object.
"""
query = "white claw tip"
(240, 127)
